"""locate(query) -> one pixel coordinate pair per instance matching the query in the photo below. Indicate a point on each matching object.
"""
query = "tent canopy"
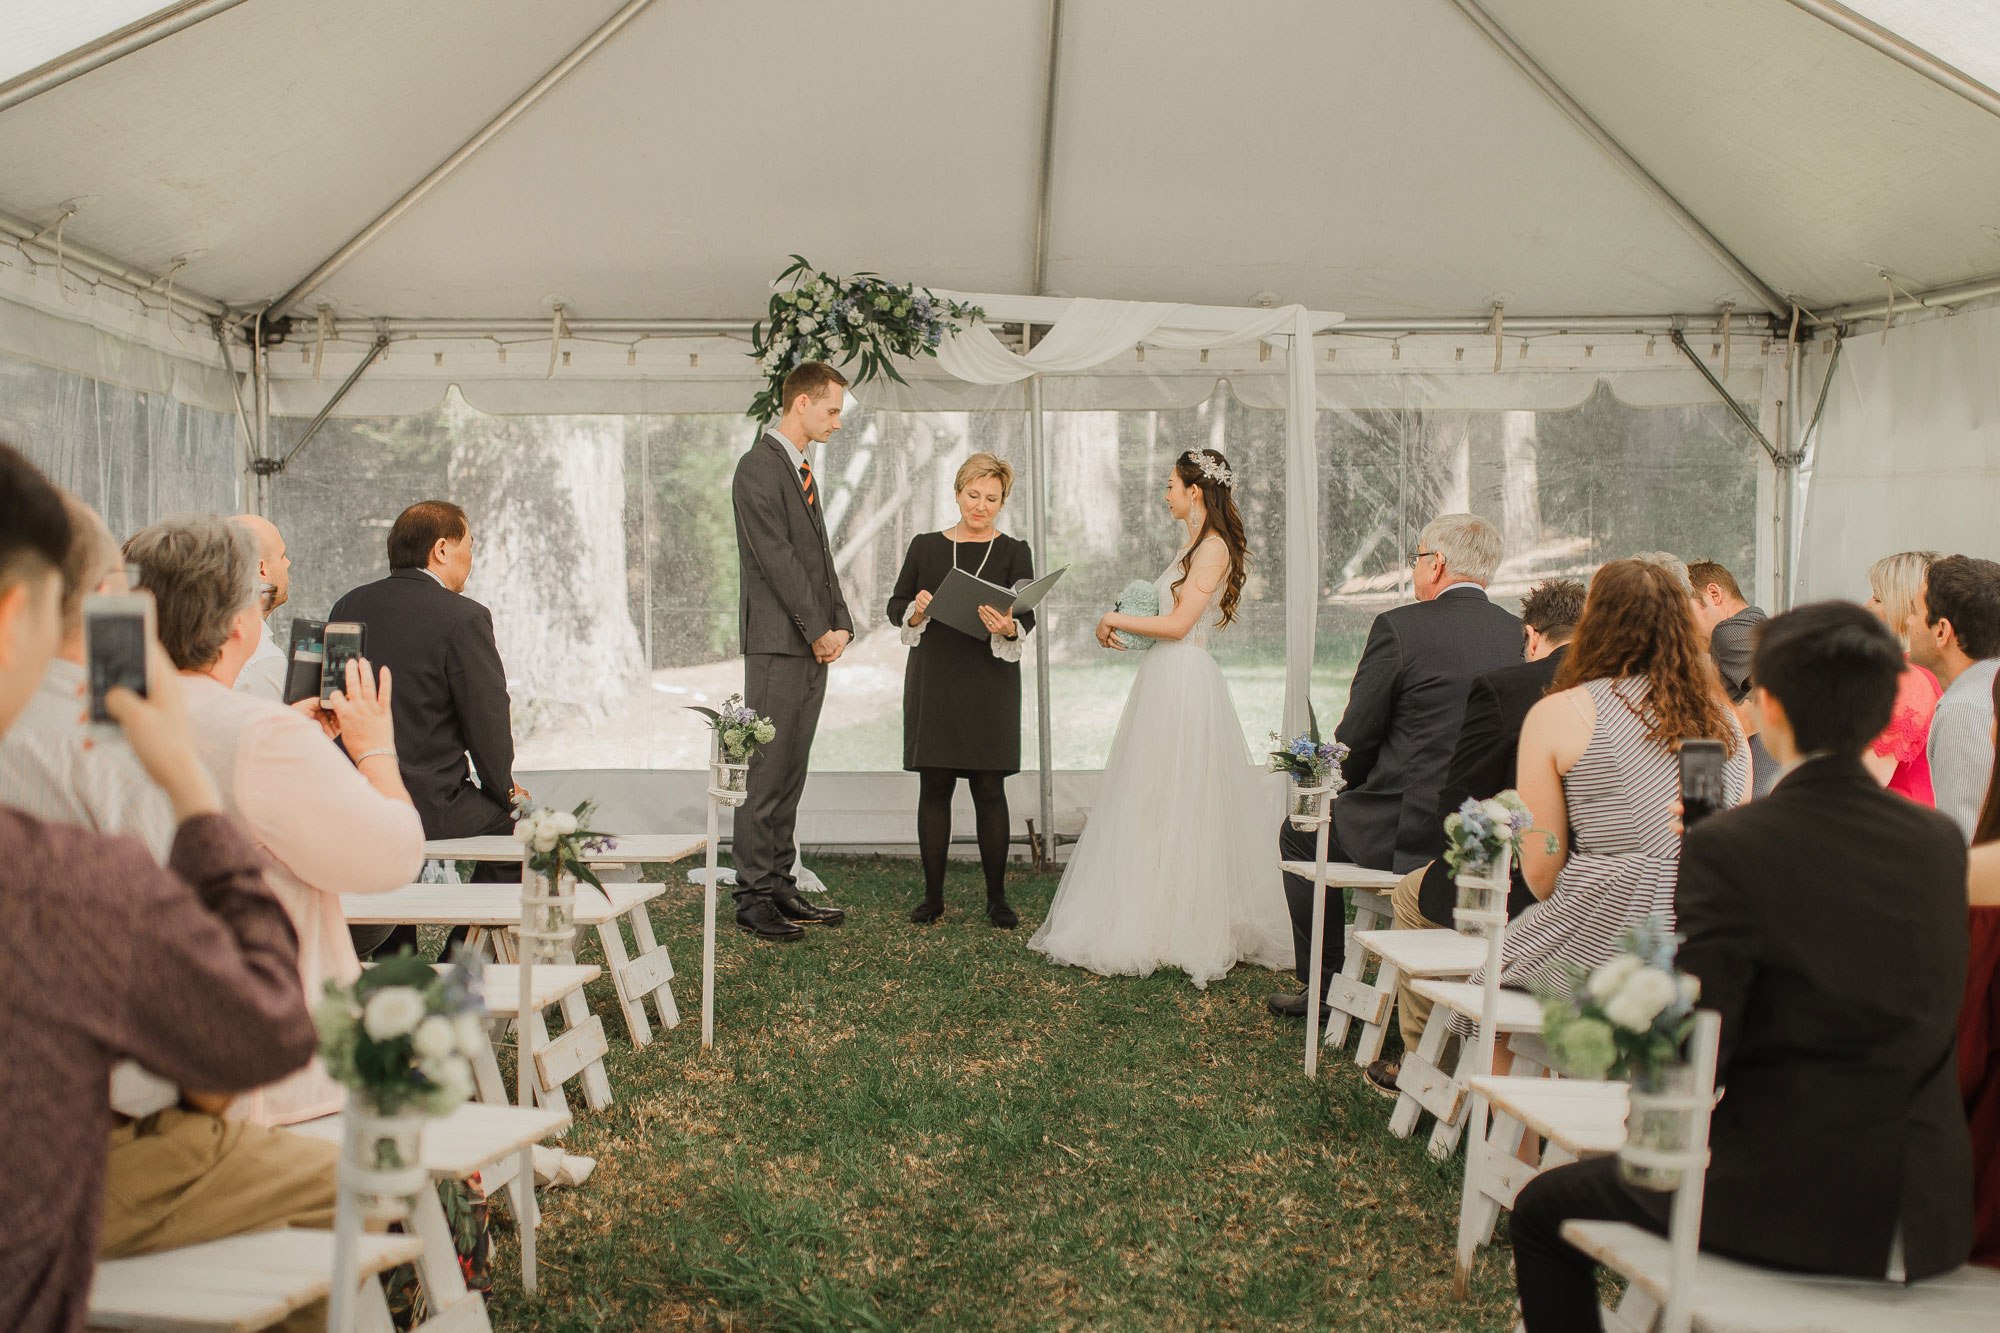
(1385, 160)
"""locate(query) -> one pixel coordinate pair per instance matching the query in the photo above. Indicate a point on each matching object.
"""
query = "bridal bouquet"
(403, 1035)
(1140, 598)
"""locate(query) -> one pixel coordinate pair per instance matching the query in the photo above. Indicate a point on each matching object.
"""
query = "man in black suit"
(1403, 715)
(1482, 766)
(451, 690)
(795, 624)
(1826, 923)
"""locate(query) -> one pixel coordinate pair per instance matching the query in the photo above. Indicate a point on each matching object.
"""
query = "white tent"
(577, 208)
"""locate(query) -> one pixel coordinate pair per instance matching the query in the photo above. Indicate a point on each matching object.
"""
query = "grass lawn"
(931, 1128)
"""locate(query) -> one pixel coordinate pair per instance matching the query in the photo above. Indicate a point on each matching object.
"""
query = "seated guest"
(451, 696)
(1402, 718)
(1898, 758)
(1979, 1028)
(264, 674)
(1957, 638)
(1600, 769)
(1482, 766)
(190, 969)
(1826, 923)
(1730, 623)
(331, 823)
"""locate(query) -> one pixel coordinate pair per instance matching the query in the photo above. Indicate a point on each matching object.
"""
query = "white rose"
(565, 823)
(434, 1038)
(545, 838)
(1496, 812)
(471, 1033)
(1636, 1006)
(1606, 981)
(457, 1078)
(392, 1012)
(1690, 988)
(524, 830)
(808, 324)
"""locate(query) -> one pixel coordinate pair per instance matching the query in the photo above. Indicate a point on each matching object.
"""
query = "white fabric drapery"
(1085, 333)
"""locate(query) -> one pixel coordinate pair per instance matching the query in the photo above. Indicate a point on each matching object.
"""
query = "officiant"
(962, 693)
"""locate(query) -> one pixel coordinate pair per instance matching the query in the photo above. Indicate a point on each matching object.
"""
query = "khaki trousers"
(180, 1177)
(1413, 1011)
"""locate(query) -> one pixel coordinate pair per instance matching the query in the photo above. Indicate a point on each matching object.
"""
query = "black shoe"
(795, 908)
(927, 911)
(1000, 914)
(1292, 1004)
(760, 917)
(1381, 1076)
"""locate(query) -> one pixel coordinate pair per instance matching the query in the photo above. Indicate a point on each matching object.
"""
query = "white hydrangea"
(1643, 997)
(1607, 980)
(391, 1012)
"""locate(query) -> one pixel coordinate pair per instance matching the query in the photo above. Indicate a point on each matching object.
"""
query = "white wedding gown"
(1178, 864)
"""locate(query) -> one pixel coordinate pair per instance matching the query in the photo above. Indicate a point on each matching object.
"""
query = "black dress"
(961, 704)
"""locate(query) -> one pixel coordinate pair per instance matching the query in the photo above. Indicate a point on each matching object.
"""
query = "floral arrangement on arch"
(1628, 1018)
(862, 318)
(403, 1035)
(1477, 832)
(556, 840)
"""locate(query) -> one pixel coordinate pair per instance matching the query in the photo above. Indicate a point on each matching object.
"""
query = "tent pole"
(1728, 401)
(1903, 53)
(319, 419)
(1788, 475)
(1047, 173)
(111, 46)
(1038, 510)
(105, 266)
(260, 372)
(1570, 107)
(1932, 299)
(513, 111)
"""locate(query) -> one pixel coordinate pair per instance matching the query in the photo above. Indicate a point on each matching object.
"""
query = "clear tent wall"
(606, 545)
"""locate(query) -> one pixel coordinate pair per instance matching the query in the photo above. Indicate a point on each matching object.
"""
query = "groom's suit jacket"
(1403, 715)
(790, 595)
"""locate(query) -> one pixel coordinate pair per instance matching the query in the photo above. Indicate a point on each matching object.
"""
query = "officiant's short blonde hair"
(985, 465)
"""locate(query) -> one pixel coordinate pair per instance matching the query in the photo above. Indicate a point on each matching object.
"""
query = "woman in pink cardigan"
(1900, 758)
(331, 823)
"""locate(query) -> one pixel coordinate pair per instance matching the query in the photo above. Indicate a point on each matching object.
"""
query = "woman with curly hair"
(1600, 768)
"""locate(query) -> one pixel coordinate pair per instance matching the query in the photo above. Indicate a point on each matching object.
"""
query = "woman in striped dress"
(1600, 769)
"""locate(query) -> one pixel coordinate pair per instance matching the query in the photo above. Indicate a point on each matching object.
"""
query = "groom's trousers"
(789, 690)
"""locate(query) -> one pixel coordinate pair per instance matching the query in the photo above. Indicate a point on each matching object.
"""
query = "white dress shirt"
(264, 674)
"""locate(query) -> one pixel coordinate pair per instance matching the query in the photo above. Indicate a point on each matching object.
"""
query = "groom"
(794, 624)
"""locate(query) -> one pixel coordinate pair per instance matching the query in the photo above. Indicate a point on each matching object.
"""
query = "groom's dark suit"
(790, 598)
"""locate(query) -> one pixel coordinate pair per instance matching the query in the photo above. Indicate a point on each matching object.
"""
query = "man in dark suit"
(1482, 766)
(795, 624)
(1402, 719)
(1826, 924)
(451, 699)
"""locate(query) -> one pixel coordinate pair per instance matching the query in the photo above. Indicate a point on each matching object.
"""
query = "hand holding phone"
(156, 726)
(343, 641)
(361, 707)
(117, 627)
(1702, 791)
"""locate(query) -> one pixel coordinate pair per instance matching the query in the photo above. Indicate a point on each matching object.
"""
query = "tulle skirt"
(1178, 865)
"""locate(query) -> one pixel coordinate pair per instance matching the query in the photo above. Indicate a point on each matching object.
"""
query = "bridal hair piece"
(1219, 518)
(1213, 467)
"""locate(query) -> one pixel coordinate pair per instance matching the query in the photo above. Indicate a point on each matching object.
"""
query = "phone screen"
(116, 644)
(342, 645)
(1701, 780)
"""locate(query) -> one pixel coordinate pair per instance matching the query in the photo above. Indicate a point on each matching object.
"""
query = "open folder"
(957, 602)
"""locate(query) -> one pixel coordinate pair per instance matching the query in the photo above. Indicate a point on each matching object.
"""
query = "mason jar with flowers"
(739, 730)
(1482, 840)
(555, 844)
(1313, 765)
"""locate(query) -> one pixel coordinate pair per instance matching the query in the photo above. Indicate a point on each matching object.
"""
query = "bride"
(1175, 867)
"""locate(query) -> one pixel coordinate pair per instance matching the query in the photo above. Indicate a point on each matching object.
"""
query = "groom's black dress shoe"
(760, 917)
(1293, 1005)
(798, 909)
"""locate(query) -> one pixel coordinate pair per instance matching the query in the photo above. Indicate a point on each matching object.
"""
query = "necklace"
(982, 559)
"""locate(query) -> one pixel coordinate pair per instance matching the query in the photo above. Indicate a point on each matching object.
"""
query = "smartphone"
(302, 674)
(116, 629)
(343, 642)
(1701, 780)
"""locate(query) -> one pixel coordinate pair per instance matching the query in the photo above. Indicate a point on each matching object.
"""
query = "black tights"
(989, 806)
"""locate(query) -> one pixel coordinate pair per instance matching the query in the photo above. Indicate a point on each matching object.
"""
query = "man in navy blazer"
(1403, 714)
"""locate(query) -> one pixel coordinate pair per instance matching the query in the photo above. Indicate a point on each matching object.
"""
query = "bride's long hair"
(1219, 516)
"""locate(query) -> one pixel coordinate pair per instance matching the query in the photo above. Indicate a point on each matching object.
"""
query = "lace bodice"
(1210, 623)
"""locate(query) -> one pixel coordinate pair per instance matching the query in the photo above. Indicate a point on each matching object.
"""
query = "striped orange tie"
(806, 480)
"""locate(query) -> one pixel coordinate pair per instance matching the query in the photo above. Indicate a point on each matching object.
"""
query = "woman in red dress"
(1899, 759)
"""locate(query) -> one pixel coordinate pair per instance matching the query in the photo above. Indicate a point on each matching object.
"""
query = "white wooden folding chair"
(720, 794)
(1368, 890)
(244, 1283)
(1403, 955)
(1673, 1288)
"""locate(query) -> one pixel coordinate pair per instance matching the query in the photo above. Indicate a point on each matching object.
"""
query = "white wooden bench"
(240, 1284)
(1406, 955)
(1368, 891)
(1422, 1085)
(496, 909)
(578, 1052)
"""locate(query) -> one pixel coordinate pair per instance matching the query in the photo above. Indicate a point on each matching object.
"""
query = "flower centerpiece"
(1313, 765)
(1629, 1019)
(739, 730)
(1142, 599)
(863, 318)
(555, 842)
(1478, 836)
(402, 1038)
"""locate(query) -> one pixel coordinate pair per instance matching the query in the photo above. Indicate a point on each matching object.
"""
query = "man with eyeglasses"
(1402, 721)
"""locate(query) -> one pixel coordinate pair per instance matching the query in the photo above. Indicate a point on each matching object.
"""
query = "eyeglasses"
(1420, 555)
